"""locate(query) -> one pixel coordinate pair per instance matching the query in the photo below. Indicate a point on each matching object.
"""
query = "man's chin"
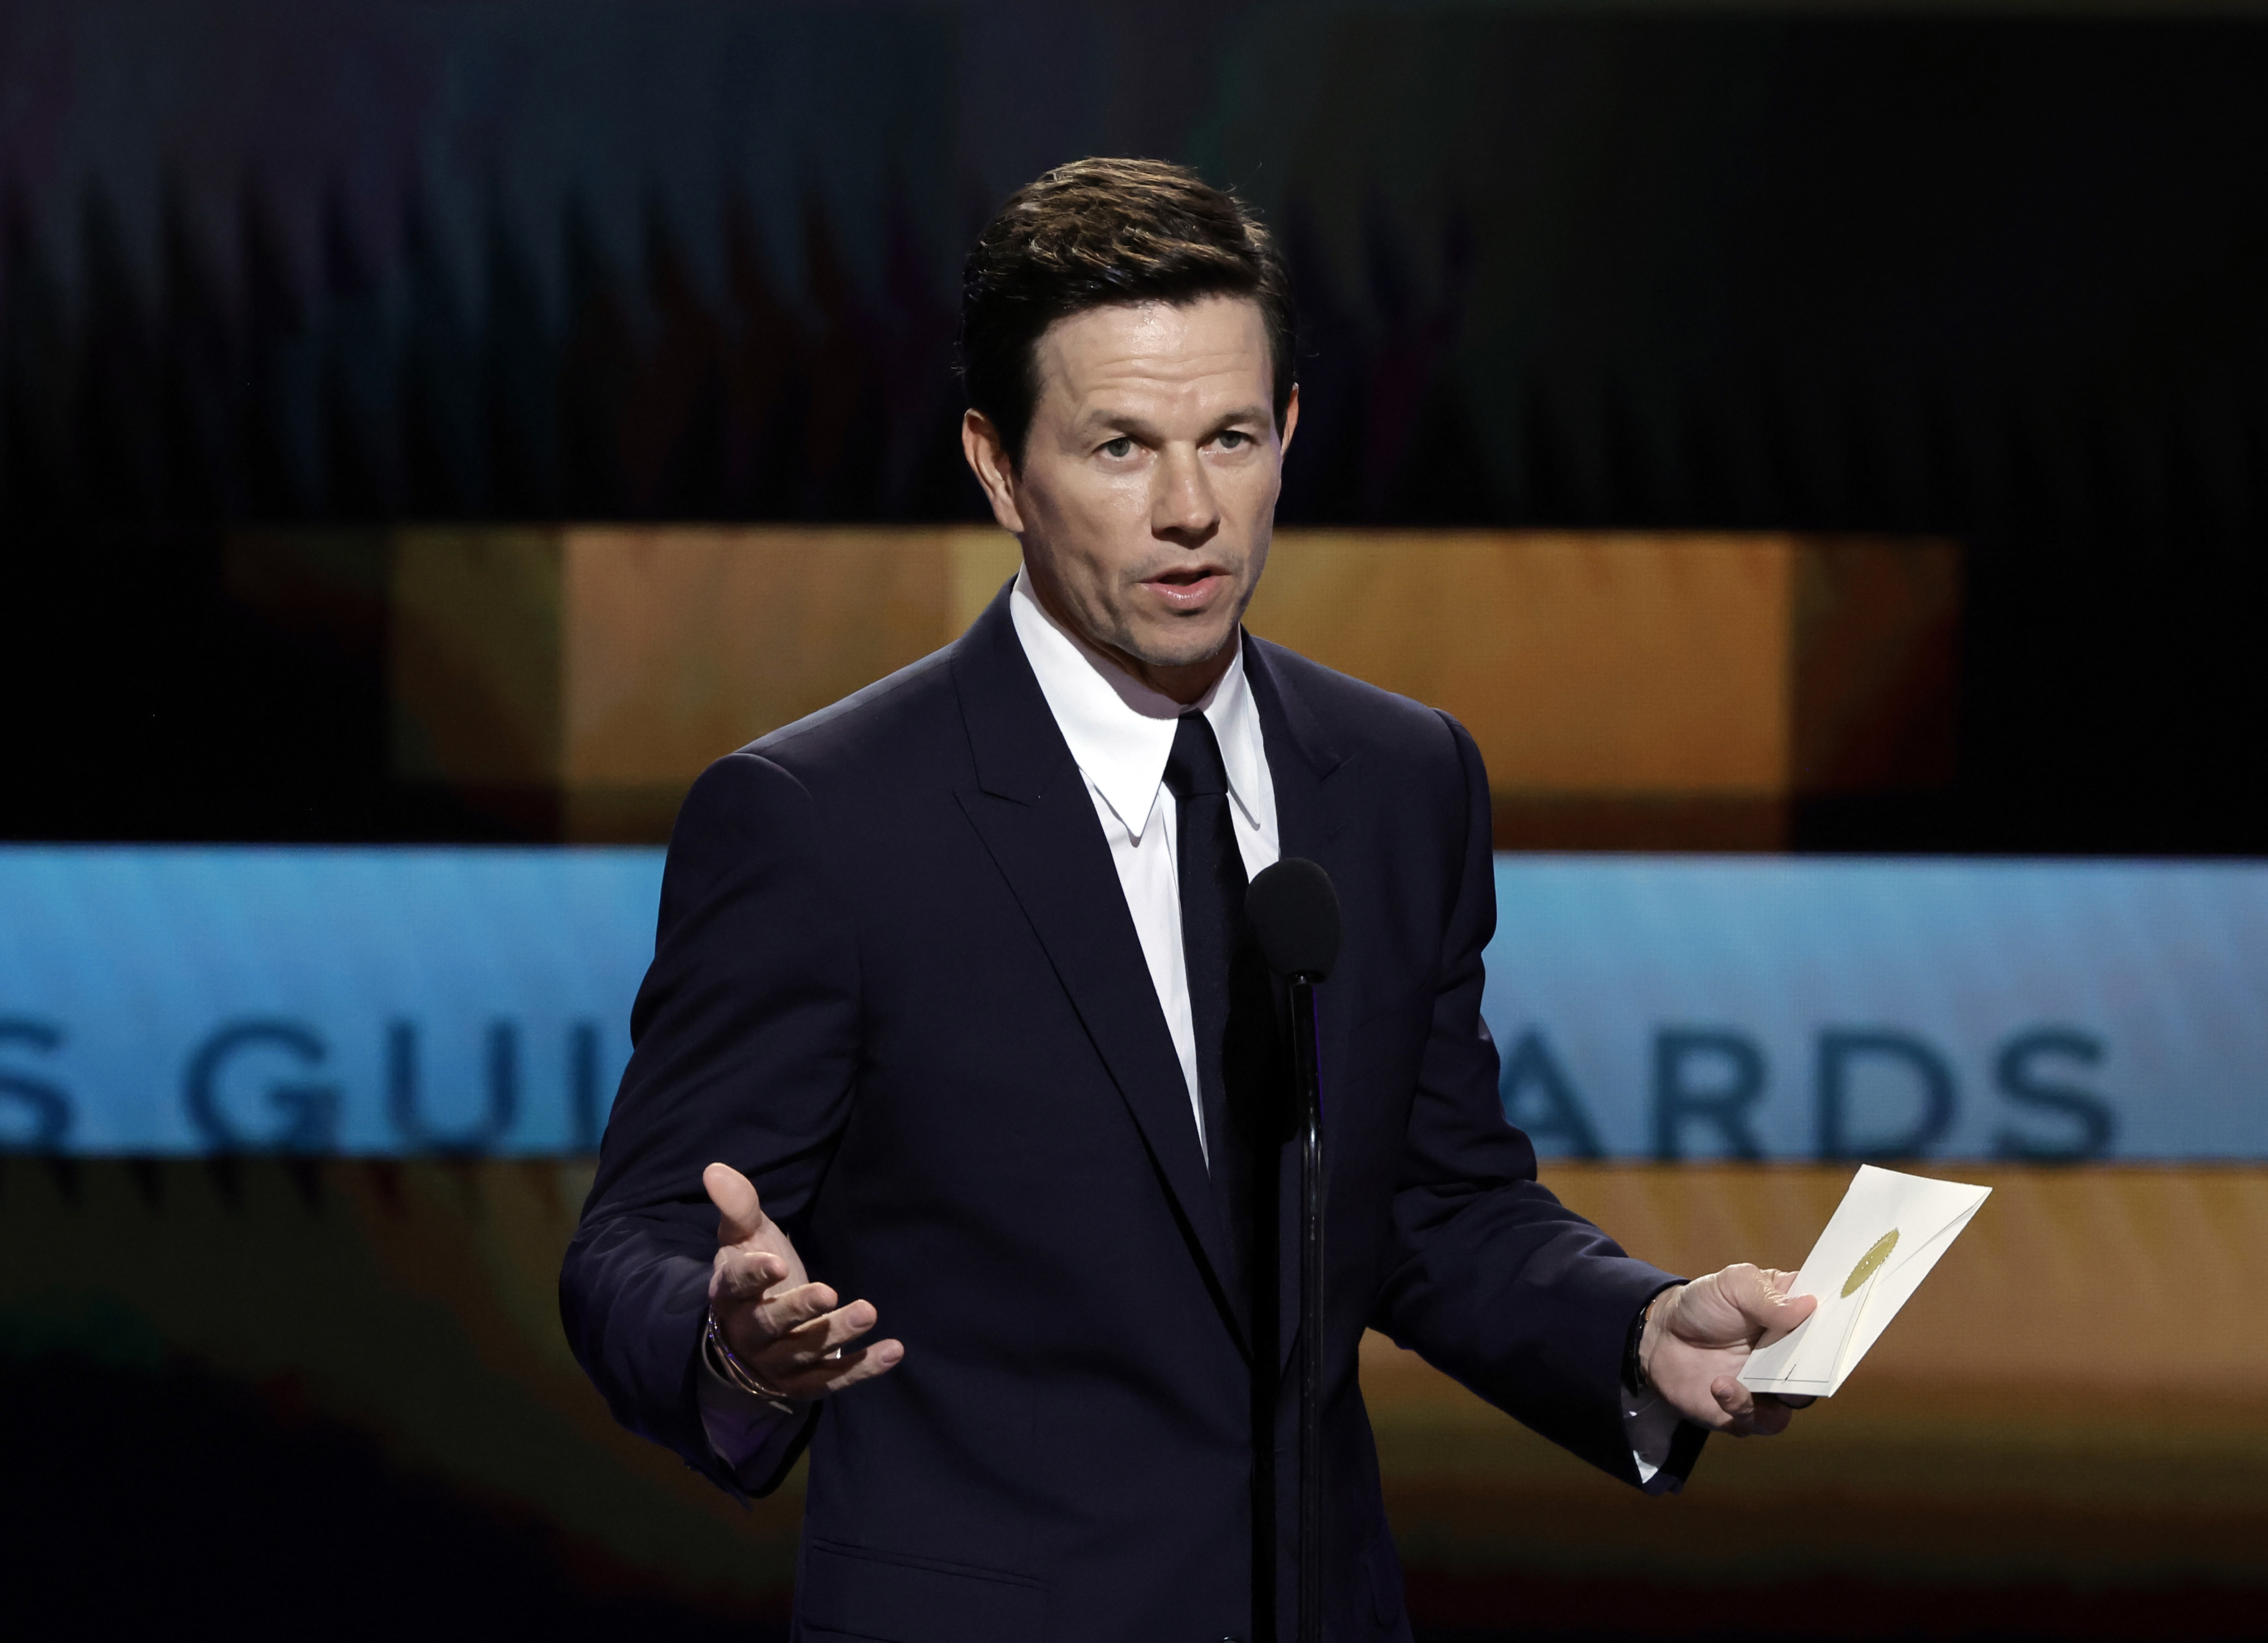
(1182, 651)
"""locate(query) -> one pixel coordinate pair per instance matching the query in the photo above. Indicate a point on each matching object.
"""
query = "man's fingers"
(741, 1276)
(865, 1364)
(1752, 1415)
(739, 1216)
(807, 1344)
(787, 1310)
(833, 1374)
(1733, 1398)
(1749, 1415)
(816, 1358)
(1770, 1419)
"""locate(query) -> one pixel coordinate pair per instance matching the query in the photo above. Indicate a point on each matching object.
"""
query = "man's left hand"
(1699, 1334)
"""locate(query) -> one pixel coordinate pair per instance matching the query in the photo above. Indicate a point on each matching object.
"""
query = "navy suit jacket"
(896, 983)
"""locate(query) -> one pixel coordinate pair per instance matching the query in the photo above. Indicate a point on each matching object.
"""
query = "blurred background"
(1820, 452)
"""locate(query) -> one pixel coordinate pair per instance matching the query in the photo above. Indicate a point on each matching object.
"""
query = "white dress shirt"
(1121, 732)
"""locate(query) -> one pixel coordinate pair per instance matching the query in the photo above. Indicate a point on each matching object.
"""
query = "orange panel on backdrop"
(1581, 663)
(1625, 689)
(684, 644)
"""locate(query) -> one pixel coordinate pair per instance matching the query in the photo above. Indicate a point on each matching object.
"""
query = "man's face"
(1147, 488)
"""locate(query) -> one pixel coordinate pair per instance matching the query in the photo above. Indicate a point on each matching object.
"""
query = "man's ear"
(988, 460)
(1291, 422)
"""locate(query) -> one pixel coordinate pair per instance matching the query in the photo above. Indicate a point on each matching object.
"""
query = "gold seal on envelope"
(1870, 1262)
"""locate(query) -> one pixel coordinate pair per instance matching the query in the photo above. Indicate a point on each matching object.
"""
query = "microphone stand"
(1295, 914)
(1308, 1083)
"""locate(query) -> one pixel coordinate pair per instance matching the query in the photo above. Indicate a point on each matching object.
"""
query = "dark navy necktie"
(1230, 1004)
(1212, 904)
(1243, 1081)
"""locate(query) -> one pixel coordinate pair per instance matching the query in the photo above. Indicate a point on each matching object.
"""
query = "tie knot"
(1194, 766)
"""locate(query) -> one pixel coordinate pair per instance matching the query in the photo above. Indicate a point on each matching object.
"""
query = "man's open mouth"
(1189, 587)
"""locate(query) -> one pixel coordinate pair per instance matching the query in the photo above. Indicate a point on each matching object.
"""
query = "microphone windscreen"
(1295, 913)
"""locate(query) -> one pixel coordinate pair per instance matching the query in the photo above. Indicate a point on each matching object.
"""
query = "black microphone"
(1295, 914)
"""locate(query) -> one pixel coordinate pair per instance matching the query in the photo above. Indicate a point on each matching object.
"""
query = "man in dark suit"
(953, 1010)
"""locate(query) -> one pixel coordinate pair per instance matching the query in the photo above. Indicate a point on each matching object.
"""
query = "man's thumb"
(1768, 1304)
(739, 1216)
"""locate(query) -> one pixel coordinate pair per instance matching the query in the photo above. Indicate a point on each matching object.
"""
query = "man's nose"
(1183, 507)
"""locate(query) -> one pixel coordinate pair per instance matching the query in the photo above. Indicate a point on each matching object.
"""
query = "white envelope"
(1881, 1241)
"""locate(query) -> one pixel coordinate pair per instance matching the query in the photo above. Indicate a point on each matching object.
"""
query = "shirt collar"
(1120, 730)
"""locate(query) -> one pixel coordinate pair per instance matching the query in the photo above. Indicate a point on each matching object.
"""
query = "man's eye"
(1118, 449)
(1231, 438)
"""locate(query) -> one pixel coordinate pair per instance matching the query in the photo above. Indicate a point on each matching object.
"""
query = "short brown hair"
(1099, 233)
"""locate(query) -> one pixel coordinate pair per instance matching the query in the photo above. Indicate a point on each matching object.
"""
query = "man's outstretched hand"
(787, 1329)
(1699, 1334)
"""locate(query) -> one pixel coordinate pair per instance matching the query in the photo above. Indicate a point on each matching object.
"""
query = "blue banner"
(370, 1001)
(400, 1000)
(1792, 1007)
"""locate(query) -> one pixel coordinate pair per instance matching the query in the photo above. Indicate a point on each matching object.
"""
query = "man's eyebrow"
(1245, 413)
(1125, 422)
(1142, 428)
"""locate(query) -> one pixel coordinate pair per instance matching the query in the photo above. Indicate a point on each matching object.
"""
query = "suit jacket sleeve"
(744, 1050)
(1491, 1279)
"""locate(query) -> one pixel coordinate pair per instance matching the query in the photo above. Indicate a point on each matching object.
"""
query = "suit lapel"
(1031, 808)
(1313, 804)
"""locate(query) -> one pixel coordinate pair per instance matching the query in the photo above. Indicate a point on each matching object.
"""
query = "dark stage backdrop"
(1993, 278)
(1865, 413)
